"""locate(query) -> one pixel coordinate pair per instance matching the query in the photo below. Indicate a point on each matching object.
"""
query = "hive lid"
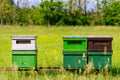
(99, 37)
(74, 36)
(24, 37)
(87, 37)
(102, 38)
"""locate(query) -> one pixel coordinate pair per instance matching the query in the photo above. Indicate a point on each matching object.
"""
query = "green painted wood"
(27, 59)
(75, 44)
(100, 53)
(74, 61)
(24, 52)
(100, 60)
(75, 52)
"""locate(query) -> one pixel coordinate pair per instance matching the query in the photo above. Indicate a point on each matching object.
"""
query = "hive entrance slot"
(74, 42)
(23, 42)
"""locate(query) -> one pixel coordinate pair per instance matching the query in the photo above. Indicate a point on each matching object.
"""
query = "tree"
(37, 16)
(7, 12)
(112, 14)
(51, 11)
(3, 10)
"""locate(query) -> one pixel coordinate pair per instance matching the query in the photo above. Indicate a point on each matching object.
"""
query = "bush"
(112, 14)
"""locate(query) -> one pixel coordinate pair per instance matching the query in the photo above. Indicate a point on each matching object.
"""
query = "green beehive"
(74, 43)
(74, 52)
(100, 60)
(24, 51)
(24, 59)
(74, 60)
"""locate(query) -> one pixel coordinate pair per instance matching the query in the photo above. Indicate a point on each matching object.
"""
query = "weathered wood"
(8, 69)
(31, 69)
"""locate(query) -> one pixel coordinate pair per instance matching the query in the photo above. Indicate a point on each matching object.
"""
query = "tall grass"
(50, 44)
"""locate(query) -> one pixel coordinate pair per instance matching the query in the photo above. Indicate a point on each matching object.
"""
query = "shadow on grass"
(115, 71)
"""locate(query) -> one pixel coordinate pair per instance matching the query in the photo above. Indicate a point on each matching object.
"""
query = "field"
(49, 43)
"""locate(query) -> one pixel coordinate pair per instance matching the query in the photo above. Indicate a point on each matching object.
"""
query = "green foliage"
(58, 13)
(52, 12)
(24, 16)
(37, 17)
(112, 14)
(47, 13)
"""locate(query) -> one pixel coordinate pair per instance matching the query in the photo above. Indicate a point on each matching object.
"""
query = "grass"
(49, 43)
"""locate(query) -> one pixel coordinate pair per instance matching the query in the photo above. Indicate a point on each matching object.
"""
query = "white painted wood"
(21, 46)
(29, 37)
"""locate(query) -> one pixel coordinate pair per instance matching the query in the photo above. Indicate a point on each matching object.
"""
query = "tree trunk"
(79, 3)
(85, 7)
(0, 17)
(75, 5)
(1, 20)
(79, 6)
(70, 6)
(98, 7)
(0, 12)
(48, 24)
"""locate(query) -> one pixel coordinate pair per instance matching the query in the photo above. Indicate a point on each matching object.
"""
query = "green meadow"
(50, 45)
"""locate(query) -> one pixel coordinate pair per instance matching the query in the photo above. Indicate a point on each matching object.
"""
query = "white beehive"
(24, 42)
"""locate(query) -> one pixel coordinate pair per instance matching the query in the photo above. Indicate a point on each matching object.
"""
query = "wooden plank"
(30, 69)
(44, 69)
(8, 69)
